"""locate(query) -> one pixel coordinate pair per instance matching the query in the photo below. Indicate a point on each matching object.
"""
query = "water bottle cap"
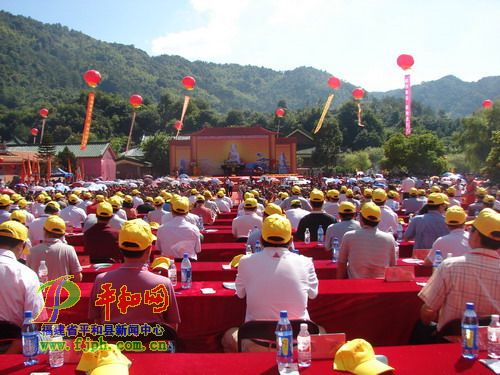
(185, 255)
(256, 242)
(494, 317)
(283, 314)
(469, 305)
(438, 252)
(303, 326)
(42, 262)
(28, 314)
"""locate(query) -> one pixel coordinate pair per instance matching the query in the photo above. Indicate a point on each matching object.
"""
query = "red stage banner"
(407, 105)
(88, 120)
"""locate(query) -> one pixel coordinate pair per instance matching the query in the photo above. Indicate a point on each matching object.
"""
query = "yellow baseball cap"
(136, 192)
(316, 196)
(15, 197)
(343, 189)
(367, 193)
(54, 205)
(73, 198)
(115, 201)
(295, 202)
(87, 194)
(200, 198)
(272, 209)
(14, 229)
(488, 223)
(5, 200)
(481, 192)
(161, 262)
(54, 224)
(148, 199)
(99, 198)
(135, 235)
(435, 199)
(451, 191)
(421, 192)
(104, 209)
(357, 356)
(379, 195)
(455, 215)
(128, 199)
(332, 193)
(59, 195)
(22, 203)
(255, 193)
(223, 190)
(295, 189)
(435, 189)
(180, 205)
(245, 196)
(154, 225)
(194, 192)
(40, 198)
(349, 193)
(414, 192)
(104, 362)
(489, 199)
(250, 203)
(277, 229)
(18, 215)
(120, 194)
(347, 208)
(392, 194)
(207, 194)
(370, 211)
(220, 194)
(284, 195)
(167, 196)
(158, 201)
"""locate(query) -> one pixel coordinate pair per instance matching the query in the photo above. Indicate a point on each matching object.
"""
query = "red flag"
(88, 120)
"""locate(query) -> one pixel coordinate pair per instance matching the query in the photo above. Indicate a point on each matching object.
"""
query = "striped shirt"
(474, 277)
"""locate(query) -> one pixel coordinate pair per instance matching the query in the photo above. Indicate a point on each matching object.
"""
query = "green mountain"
(42, 64)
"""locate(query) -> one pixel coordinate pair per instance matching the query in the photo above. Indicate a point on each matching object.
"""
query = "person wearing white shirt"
(38, 208)
(4, 207)
(137, 200)
(296, 191)
(190, 218)
(157, 215)
(178, 236)
(456, 242)
(331, 206)
(227, 199)
(221, 203)
(243, 224)
(85, 201)
(392, 201)
(29, 216)
(296, 213)
(192, 197)
(406, 185)
(262, 276)
(35, 229)
(72, 214)
(389, 219)
(20, 284)
(451, 192)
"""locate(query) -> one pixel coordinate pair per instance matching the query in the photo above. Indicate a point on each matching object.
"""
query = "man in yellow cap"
(85, 201)
(389, 219)
(456, 242)
(295, 213)
(475, 208)
(221, 202)
(296, 194)
(135, 241)
(19, 283)
(264, 279)
(177, 235)
(72, 214)
(332, 203)
(36, 231)
(412, 204)
(38, 206)
(101, 239)
(316, 218)
(393, 200)
(206, 214)
(368, 251)
(128, 207)
(5, 203)
(451, 193)
(407, 184)
(136, 196)
(347, 212)
(473, 277)
(61, 199)
(427, 228)
(256, 233)
(250, 194)
(23, 204)
(117, 219)
(209, 202)
(243, 224)
(60, 258)
(157, 215)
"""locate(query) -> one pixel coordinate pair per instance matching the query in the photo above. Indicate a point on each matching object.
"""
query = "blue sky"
(356, 40)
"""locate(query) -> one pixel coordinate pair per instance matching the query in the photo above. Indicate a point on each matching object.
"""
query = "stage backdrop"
(251, 147)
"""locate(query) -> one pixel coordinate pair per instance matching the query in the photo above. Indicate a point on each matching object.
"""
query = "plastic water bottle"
(257, 248)
(438, 259)
(400, 232)
(248, 249)
(293, 249)
(200, 224)
(470, 326)
(321, 237)
(56, 353)
(43, 272)
(304, 346)
(186, 274)
(284, 341)
(494, 338)
(449, 255)
(29, 339)
(335, 249)
(307, 236)
(172, 273)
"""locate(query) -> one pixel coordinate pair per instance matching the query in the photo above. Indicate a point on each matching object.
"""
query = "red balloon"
(188, 82)
(334, 82)
(44, 112)
(178, 125)
(358, 93)
(487, 103)
(405, 62)
(34, 132)
(135, 100)
(92, 77)
(280, 112)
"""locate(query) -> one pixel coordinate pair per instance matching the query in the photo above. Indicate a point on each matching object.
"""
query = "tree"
(66, 158)
(327, 144)
(156, 148)
(492, 169)
(356, 161)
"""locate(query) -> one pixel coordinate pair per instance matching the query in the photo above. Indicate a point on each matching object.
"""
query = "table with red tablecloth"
(406, 249)
(382, 312)
(409, 360)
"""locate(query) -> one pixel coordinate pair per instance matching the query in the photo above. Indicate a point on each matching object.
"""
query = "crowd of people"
(120, 225)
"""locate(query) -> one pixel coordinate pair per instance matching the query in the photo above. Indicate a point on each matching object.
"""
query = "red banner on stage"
(88, 120)
(407, 105)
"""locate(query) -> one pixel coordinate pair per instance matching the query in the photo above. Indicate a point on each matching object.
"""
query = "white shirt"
(332, 208)
(74, 215)
(276, 279)
(121, 214)
(241, 209)
(156, 216)
(178, 236)
(456, 243)
(19, 292)
(84, 204)
(454, 202)
(190, 218)
(295, 215)
(38, 209)
(35, 230)
(29, 216)
(222, 205)
(242, 224)
(407, 184)
(137, 201)
(4, 215)
(392, 204)
(388, 221)
(228, 201)
(115, 222)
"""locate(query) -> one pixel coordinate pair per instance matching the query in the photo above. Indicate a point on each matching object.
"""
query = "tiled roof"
(93, 150)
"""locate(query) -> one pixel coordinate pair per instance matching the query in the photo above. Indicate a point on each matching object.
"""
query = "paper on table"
(211, 230)
(492, 364)
(421, 284)
(207, 290)
(226, 266)
(412, 261)
(229, 285)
